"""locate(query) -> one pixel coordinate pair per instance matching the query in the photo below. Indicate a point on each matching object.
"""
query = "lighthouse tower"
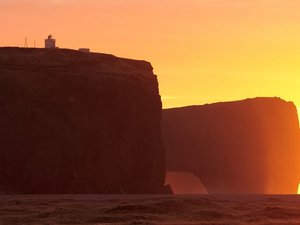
(50, 42)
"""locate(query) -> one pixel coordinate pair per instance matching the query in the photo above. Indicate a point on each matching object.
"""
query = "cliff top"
(257, 100)
(29, 57)
(260, 105)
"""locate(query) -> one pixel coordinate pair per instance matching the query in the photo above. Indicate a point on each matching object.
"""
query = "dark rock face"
(73, 122)
(249, 146)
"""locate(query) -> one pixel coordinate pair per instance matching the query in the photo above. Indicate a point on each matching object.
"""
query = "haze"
(202, 50)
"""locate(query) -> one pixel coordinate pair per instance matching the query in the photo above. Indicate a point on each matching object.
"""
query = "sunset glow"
(203, 50)
(150, 112)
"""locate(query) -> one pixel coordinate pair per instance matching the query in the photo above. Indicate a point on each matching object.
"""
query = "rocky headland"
(74, 122)
(249, 146)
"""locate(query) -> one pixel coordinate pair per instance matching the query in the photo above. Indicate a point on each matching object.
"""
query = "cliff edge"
(74, 122)
(248, 146)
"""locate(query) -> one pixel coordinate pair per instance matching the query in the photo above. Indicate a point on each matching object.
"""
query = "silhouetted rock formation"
(72, 122)
(249, 146)
(185, 183)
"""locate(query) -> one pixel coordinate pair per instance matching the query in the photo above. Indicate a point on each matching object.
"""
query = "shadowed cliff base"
(248, 146)
(72, 122)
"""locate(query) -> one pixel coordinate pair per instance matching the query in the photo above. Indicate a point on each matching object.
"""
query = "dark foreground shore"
(153, 209)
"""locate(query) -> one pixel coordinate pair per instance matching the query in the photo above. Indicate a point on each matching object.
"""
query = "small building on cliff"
(50, 42)
(86, 50)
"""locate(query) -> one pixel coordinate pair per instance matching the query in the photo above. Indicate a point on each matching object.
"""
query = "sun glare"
(298, 189)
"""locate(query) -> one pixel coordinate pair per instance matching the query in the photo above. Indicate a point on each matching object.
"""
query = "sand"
(153, 209)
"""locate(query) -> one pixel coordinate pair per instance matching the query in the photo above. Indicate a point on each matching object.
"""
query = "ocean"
(150, 209)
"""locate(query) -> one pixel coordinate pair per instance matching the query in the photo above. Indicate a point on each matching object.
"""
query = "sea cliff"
(74, 122)
(248, 146)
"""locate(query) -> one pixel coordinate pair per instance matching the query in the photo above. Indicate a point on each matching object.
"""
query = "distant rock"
(249, 146)
(185, 183)
(72, 122)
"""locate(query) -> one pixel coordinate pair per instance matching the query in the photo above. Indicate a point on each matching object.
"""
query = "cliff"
(249, 146)
(73, 122)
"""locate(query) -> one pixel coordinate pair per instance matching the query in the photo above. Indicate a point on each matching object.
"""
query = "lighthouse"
(50, 42)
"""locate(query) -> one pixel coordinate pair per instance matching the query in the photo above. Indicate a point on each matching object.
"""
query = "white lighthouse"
(50, 42)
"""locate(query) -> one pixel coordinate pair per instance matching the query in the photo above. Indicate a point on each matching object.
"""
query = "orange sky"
(202, 50)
